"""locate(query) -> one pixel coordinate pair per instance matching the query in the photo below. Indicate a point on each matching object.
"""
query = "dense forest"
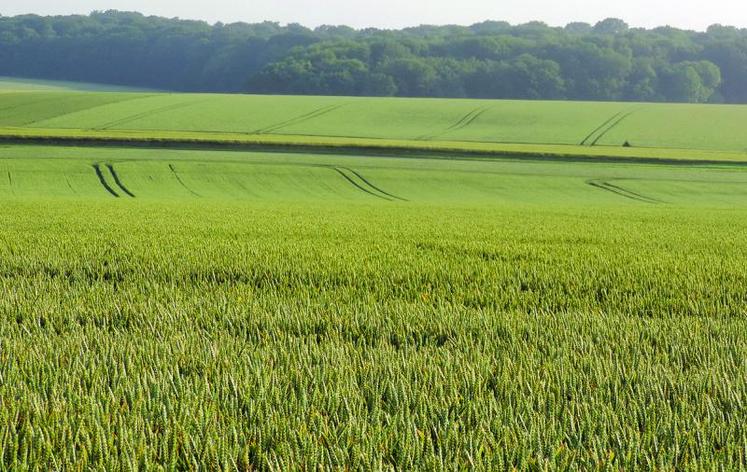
(606, 61)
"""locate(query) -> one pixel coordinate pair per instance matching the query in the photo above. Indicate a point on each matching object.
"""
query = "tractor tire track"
(131, 118)
(33, 102)
(470, 120)
(37, 102)
(600, 128)
(55, 117)
(622, 192)
(241, 185)
(360, 187)
(462, 123)
(69, 185)
(611, 127)
(368, 182)
(299, 119)
(102, 180)
(458, 124)
(181, 182)
(118, 181)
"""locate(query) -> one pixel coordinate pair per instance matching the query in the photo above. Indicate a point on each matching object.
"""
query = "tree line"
(605, 61)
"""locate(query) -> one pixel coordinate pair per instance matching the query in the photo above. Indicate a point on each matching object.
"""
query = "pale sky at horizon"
(689, 14)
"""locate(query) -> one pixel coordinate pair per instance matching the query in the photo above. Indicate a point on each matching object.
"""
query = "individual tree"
(611, 26)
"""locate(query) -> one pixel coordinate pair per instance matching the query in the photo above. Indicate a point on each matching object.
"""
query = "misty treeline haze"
(606, 61)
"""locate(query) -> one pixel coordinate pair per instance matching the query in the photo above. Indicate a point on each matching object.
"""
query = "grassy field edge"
(365, 146)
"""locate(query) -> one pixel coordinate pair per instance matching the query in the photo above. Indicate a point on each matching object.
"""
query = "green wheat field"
(217, 282)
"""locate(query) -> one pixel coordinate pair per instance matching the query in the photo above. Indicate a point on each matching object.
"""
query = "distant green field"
(14, 84)
(601, 129)
(370, 284)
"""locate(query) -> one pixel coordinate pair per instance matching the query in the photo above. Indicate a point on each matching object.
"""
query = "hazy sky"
(694, 14)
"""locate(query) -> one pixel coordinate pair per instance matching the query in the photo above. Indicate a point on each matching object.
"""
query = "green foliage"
(607, 61)
(694, 82)
(611, 26)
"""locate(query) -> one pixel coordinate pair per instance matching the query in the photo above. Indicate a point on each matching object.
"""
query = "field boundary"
(369, 147)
